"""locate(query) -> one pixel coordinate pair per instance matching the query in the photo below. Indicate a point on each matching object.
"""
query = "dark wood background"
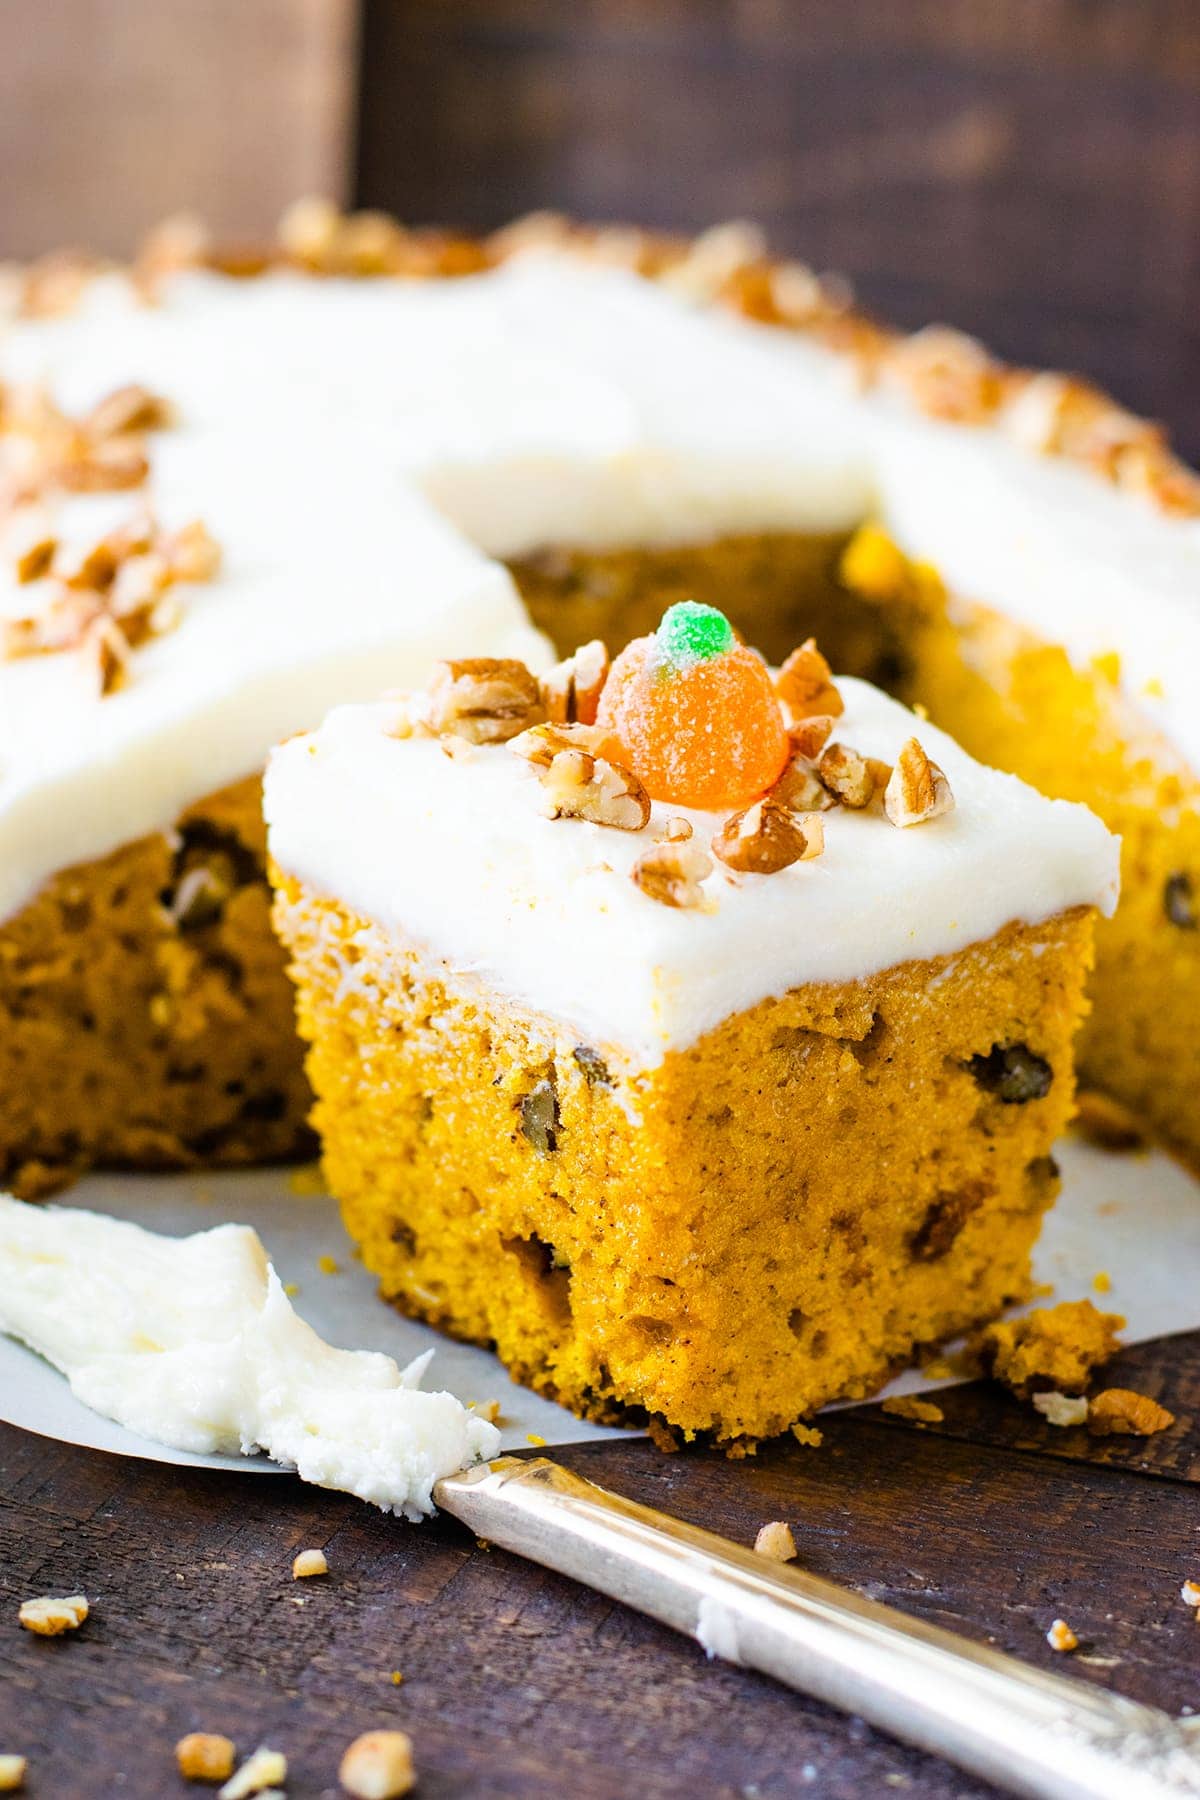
(517, 1683)
(1028, 169)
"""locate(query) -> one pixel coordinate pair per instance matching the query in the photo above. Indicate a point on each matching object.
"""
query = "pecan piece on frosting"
(671, 873)
(540, 744)
(579, 786)
(765, 838)
(918, 789)
(571, 690)
(107, 648)
(851, 778)
(799, 789)
(810, 736)
(805, 684)
(106, 466)
(485, 699)
(126, 409)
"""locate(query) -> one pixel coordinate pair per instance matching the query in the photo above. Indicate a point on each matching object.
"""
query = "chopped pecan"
(853, 779)
(192, 553)
(917, 789)
(672, 873)
(540, 744)
(1179, 901)
(34, 550)
(579, 786)
(308, 231)
(180, 242)
(805, 684)
(571, 690)
(107, 648)
(799, 789)
(485, 699)
(50, 1617)
(1013, 1073)
(764, 839)
(105, 467)
(1120, 1412)
(810, 736)
(132, 408)
(58, 627)
(946, 373)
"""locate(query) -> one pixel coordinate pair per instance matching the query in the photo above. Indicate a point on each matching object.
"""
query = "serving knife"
(1026, 1731)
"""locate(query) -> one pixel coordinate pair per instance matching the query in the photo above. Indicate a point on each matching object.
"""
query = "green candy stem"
(691, 632)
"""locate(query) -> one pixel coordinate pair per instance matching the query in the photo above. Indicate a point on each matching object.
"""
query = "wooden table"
(518, 1683)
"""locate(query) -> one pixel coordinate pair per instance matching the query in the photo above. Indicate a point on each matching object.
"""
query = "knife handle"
(1028, 1732)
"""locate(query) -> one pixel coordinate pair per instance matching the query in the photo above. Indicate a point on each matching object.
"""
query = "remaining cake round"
(231, 503)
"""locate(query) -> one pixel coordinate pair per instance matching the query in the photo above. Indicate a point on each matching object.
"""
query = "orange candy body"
(708, 735)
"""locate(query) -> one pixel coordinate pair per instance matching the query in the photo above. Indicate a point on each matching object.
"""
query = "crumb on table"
(308, 1563)
(205, 1756)
(1119, 1412)
(1060, 1636)
(1061, 1409)
(775, 1540)
(378, 1766)
(809, 1436)
(910, 1406)
(50, 1617)
(1052, 1347)
(264, 1770)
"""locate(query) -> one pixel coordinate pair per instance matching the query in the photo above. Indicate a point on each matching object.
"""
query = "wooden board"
(115, 113)
(519, 1683)
(1029, 171)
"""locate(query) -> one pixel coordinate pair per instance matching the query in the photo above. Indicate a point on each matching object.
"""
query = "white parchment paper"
(1134, 1217)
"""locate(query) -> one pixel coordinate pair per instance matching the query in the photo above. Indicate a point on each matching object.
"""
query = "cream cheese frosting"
(363, 452)
(192, 1342)
(455, 853)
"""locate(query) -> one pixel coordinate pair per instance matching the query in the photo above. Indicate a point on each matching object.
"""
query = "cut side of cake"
(699, 1044)
(234, 494)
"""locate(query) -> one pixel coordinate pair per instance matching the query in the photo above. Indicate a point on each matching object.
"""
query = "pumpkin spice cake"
(695, 1036)
(234, 492)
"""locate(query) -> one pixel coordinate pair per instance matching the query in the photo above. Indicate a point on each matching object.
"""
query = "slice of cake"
(696, 1037)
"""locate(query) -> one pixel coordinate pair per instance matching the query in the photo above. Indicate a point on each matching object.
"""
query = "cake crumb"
(205, 1756)
(378, 1766)
(1102, 1282)
(1189, 1593)
(308, 1563)
(1120, 1412)
(535, 1437)
(50, 1617)
(809, 1435)
(1060, 1637)
(775, 1540)
(1052, 1347)
(488, 1409)
(397, 1678)
(264, 1770)
(909, 1406)
(1061, 1409)
(1106, 1122)
(328, 1265)
(13, 1770)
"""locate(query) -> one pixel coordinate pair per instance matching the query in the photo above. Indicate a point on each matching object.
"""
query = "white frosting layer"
(362, 450)
(193, 1342)
(455, 853)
